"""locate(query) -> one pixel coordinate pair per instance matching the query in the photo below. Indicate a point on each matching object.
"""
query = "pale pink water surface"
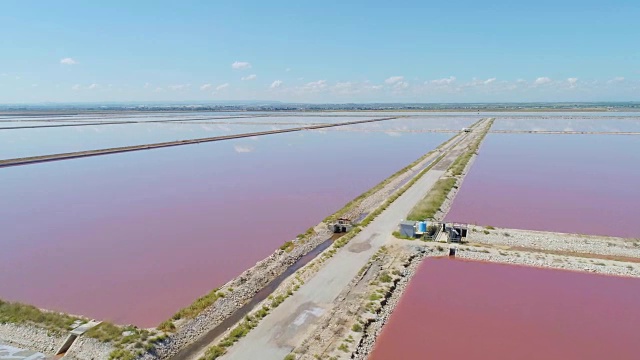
(133, 237)
(455, 309)
(585, 184)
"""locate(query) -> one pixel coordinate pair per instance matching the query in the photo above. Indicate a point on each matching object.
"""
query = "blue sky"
(321, 51)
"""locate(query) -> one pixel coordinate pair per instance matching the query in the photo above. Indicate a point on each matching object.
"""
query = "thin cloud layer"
(241, 65)
(542, 80)
(394, 79)
(68, 61)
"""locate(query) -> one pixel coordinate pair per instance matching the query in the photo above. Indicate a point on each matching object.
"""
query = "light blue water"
(42, 141)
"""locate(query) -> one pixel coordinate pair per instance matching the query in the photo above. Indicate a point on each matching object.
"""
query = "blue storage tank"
(422, 226)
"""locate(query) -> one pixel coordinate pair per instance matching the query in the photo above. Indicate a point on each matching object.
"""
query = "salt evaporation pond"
(116, 116)
(593, 123)
(415, 123)
(454, 309)
(43, 141)
(133, 237)
(584, 184)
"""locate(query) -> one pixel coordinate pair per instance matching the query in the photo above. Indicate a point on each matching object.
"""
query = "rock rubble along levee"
(599, 266)
(43, 341)
(544, 240)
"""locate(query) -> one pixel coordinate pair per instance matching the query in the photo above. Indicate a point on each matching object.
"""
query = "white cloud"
(445, 81)
(178, 87)
(401, 85)
(572, 82)
(345, 88)
(489, 81)
(75, 87)
(314, 86)
(353, 88)
(243, 149)
(222, 86)
(287, 69)
(241, 65)
(276, 84)
(542, 80)
(158, 89)
(616, 79)
(249, 77)
(206, 87)
(68, 61)
(147, 85)
(93, 86)
(394, 79)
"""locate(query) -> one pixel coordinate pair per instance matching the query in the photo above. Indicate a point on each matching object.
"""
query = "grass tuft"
(431, 203)
(198, 306)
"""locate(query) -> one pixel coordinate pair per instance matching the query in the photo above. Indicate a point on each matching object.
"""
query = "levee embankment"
(320, 295)
(358, 314)
(187, 342)
(83, 154)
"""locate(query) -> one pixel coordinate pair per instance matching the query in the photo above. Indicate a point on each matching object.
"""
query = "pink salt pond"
(585, 184)
(455, 309)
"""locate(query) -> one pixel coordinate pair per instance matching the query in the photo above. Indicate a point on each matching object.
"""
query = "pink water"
(133, 237)
(455, 309)
(585, 184)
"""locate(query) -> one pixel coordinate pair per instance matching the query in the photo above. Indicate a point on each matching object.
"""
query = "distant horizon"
(256, 102)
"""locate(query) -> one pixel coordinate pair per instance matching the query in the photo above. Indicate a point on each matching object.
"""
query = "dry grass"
(430, 204)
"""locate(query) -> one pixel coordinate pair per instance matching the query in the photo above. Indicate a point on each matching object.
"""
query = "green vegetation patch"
(16, 313)
(106, 332)
(287, 246)
(431, 203)
(214, 352)
(121, 354)
(198, 306)
(385, 277)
